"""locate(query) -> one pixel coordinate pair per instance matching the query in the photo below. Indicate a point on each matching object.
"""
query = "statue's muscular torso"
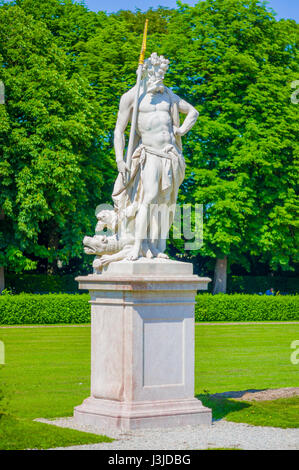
(154, 124)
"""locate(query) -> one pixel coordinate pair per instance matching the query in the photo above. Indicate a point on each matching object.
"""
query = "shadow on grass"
(221, 407)
(238, 394)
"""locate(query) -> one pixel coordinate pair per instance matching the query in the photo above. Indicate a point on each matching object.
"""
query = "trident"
(135, 105)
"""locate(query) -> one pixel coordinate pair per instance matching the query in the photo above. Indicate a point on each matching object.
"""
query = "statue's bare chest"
(154, 103)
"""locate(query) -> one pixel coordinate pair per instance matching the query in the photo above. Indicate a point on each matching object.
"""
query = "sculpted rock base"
(142, 346)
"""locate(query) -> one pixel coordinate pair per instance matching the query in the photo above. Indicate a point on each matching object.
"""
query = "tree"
(51, 171)
(236, 63)
(69, 22)
(2, 277)
(85, 51)
(65, 69)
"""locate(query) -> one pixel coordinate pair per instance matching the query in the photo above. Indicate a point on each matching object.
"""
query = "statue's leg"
(164, 226)
(150, 177)
(153, 229)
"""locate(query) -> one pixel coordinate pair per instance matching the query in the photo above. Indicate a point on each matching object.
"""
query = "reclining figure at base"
(106, 248)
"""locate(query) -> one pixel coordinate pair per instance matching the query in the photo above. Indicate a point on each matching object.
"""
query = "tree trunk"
(220, 276)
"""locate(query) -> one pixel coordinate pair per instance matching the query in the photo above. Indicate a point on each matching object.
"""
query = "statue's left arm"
(190, 119)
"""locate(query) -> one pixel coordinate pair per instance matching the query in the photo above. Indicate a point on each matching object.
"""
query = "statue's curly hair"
(156, 60)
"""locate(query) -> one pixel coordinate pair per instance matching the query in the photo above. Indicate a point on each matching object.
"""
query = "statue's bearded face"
(155, 68)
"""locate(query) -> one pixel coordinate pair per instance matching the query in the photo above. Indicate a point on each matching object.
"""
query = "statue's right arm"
(123, 117)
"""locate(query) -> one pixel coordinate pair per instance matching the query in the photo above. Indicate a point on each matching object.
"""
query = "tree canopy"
(65, 69)
(236, 63)
(49, 156)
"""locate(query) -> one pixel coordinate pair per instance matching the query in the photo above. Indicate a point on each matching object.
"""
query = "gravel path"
(221, 434)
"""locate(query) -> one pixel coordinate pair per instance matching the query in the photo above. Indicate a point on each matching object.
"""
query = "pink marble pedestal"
(142, 346)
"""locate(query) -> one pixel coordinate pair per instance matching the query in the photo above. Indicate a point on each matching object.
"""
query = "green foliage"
(27, 309)
(68, 21)
(51, 283)
(50, 170)
(41, 283)
(65, 69)
(256, 284)
(242, 307)
(236, 63)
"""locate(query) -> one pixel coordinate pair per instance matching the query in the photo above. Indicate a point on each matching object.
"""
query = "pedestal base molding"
(137, 415)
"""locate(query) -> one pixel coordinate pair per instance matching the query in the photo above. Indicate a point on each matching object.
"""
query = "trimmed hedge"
(30, 309)
(246, 307)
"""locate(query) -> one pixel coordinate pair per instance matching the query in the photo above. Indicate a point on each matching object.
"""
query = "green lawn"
(242, 357)
(282, 413)
(47, 373)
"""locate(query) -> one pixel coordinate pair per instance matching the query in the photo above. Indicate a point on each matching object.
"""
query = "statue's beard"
(155, 86)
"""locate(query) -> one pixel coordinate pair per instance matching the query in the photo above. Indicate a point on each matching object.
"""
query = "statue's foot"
(106, 259)
(97, 266)
(149, 254)
(162, 255)
(133, 255)
(97, 263)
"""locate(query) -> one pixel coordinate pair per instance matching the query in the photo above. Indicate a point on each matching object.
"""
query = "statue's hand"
(122, 166)
(177, 131)
(123, 169)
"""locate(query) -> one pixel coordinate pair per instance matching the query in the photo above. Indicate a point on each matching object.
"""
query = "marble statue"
(145, 193)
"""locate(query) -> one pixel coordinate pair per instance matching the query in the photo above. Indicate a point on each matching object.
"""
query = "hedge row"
(26, 309)
(246, 307)
(45, 283)
(30, 309)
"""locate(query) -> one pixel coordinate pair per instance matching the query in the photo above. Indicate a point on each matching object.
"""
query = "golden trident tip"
(143, 47)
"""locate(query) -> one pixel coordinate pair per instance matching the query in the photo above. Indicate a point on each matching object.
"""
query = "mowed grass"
(241, 357)
(47, 373)
(246, 357)
(282, 413)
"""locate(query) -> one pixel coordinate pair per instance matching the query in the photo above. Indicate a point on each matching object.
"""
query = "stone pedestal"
(142, 346)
